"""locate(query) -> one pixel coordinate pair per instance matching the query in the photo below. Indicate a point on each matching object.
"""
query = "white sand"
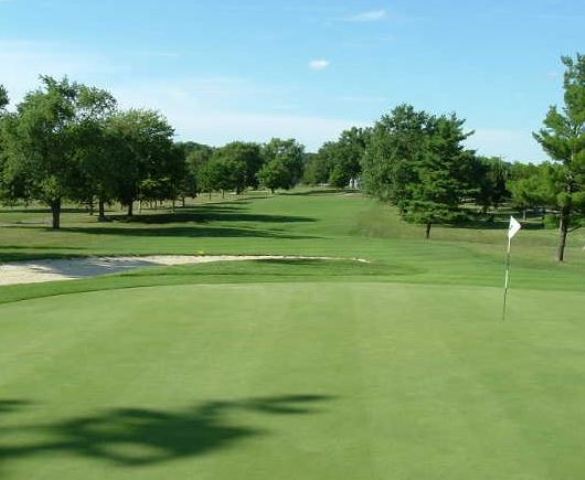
(70, 269)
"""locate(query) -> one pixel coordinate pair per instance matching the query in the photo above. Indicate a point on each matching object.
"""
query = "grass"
(398, 368)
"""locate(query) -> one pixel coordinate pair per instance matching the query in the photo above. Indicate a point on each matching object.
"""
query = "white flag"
(515, 227)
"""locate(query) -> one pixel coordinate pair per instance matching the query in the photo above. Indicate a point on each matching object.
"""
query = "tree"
(223, 173)
(275, 174)
(40, 143)
(395, 147)
(243, 161)
(93, 141)
(3, 98)
(145, 156)
(10, 188)
(318, 166)
(283, 164)
(347, 154)
(487, 178)
(563, 139)
(536, 188)
(196, 156)
(441, 184)
(249, 154)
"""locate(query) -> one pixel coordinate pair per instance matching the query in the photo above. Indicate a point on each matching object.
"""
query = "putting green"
(311, 380)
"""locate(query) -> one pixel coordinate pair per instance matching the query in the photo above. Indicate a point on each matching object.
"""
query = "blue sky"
(225, 70)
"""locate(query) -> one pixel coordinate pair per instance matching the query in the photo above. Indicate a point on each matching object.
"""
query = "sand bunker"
(70, 269)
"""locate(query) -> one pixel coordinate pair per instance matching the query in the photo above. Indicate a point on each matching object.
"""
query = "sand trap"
(70, 269)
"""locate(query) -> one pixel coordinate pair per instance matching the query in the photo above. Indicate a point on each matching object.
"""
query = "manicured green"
(398, 368)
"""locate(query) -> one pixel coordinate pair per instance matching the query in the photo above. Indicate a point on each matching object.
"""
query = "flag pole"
(507, 278)
(515, 227)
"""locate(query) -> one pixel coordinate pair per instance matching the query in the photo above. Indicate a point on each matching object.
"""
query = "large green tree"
(93, 142)
(563, 139)
(245, 160)
(347, 154)
(146, 157)
(283, 164)
(397, 144)
(247, 153)
(318, 165)
(3, 98)
(441, 183)
(41, 143)
(196, 157)
(223, 173)
(418, 162)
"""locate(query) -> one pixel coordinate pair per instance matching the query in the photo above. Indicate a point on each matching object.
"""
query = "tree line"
(418, 162)
(69, 141)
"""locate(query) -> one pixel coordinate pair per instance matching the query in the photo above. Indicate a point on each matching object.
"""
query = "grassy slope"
(342, 225)
(283, 370)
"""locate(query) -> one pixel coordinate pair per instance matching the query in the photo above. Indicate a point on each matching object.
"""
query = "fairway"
(293, 369)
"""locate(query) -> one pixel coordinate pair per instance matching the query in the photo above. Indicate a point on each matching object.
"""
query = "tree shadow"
(9, 406)
(46, 210)
(132, 437)
(307, 193)
(195, 231)
(205, 215)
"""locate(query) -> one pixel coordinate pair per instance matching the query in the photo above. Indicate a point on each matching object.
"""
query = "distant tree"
(535, 189)
(40, 143)
(93, 140)
(275, 174)
(245, 160)
(145, 154)
(249, 154)
(563, 139)
(8, 186)
(441, 185)
(487, 179)
(283, 164)
(196, 157)
(3, 97)
(318, 166)
(347, 154)
(397, 144)
(222, 174)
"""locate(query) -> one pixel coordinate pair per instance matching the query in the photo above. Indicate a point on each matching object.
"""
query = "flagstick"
(507, 280)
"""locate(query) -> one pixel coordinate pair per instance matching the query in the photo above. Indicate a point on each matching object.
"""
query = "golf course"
(397, 366)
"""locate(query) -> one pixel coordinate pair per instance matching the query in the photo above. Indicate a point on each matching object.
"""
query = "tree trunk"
(91, 207)
(428, 231)
(173, 205)
(223, 194)
(131, 208)
(56, 212)
(101, 210)
(563, 231)
(183, 201)
(524, 215)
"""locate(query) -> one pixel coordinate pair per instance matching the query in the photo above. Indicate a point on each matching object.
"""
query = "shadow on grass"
(190, 231)
(22, 253)
(315, 192)
(194, 231)
(42, 210)
(133, 437)
(205, 215)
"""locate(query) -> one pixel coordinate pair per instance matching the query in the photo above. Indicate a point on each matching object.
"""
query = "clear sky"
(226, 69)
